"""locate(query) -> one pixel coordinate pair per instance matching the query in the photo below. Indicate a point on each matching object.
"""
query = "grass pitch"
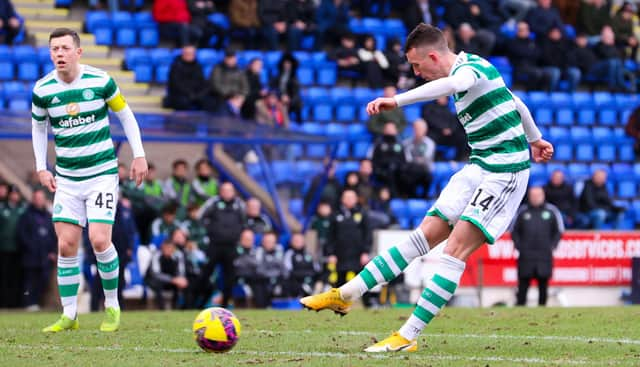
(457, 337)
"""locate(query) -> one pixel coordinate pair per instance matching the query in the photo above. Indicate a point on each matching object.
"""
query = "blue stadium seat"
(342, 168)
(19, 101)
(417, 207)
(598, 166)
(544, 116)
(271, 59)
(399, 207)
(149, 37)
(603, 99)
(627, 189)
(316, 151)
(305, 75)
(317, 95)
(121, 19)
(7, 71)
(343, 150)
(295, 208)
(340, 95)
(606, 152)
(97, 19)
(578, 171)
(103, 36)
(305, 170)
(608, 117)
(322, 112)
(393, 27)
(135, 56)
(584, 152)
(580, 134)
(626, 153)
(636, 210)
(564, 152)
(560, 100)
(412, 112)
(143, 18)
(564, 116)
(346, 112)
(360, 149)
(558, 134)
(220, 19)
(161, 56)
(29, 71)
(282, 172)
(327, 74)
(602, 135)
(162, 73)
(625, 114)
(538, 99)
(313, 128)
(126, 37)
(357, 130)
(501, 63)
(586, 117)
(538, 174)
(621, 170)
(363, 95)
(25, 53)
(143, 73)
(582, 100)
(335, 129)
(555, 166)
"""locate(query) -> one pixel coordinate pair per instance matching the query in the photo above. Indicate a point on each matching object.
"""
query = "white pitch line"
(581, 339)
(297, 354)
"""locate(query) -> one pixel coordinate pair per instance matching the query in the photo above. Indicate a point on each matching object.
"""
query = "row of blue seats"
(584, 134)
(122, 28)
(583, 116)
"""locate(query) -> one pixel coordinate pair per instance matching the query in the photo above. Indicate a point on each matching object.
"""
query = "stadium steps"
(44, 11)
(35, 26)
(42, 4)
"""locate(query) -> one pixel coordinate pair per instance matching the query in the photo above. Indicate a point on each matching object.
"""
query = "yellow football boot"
(331, 299)
(394, 343)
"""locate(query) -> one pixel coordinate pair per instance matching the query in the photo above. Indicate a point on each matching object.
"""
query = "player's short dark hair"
(425, 35)
(61, 32)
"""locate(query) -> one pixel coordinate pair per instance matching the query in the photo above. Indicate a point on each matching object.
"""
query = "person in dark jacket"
(560, 193)
(244, 266)
(543, 17)
(478, 14)
(350, 238)
(270, 270)
(256, 89)
(419, 11)
(536, 233)
(200, 11)
(444, 127)
(287, 85)
(592, 16)
(468, 41)
(301, 19)
(204, 185)
(9, 22)
(10, 273)
(329, 193)
(302, 271)
(321, 223)
(607, 52)
(273, 18)
(187, 88)
(38, 245)
(389, 159)
(622, 25)
(227, 80)
(524, 54)
(346, 56)
(399, 72)
(332, 22)
(583, 57)
(555, 60)
(596, 206)
(224, 218)
(167, 272)
(123, 236)
(257, 221)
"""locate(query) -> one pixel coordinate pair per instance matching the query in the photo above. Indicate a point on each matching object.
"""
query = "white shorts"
(94, 200)
(488, 200)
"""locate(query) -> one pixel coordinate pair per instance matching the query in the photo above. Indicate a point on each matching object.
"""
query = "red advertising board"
(582, 258)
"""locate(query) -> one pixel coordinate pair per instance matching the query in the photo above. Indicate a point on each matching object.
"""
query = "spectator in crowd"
(167, 273)
(332, 22)
(515, 10)
(350, 238)
(536, 233)
(224, 218)
(177, 186)
(256, 90)
(373, 62)
(419, 11)
(399, 72)
(420, 153)
(351, 181)
(187, 88)
(596, 206)
(245, 264)
(174, 21)
(37, 242)
(270, 270)
(593, 15)
(273, 18)
(444, 127)
(476, 13)
(560, 193)
(330, 192)
(9, 22)
(556, 60)
(301, 21)
(200, 11)
(468, 41)
(584, 58)
(146, 201)
(622, 25)
(287, 85)
(163, 226)
(388, 159)
(377, 122)
(194, 260)
(607, 51)
(366, 185)
(346, 56)
(123, 236)
(271, 112)
(243, 15)
(380, 214)
(204, 185)
(302, 271)
(543, 17)
(632, 129)
(524, 54)
(321, 223)
(228, 80)
(194, 227)
(257, 221)
(10, 272)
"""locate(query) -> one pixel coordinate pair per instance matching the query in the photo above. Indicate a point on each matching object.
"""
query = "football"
(216, 330)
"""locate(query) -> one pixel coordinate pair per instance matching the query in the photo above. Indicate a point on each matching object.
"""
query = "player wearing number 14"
(74, 99)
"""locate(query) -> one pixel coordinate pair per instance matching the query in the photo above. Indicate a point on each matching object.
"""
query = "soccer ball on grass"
(216, 329)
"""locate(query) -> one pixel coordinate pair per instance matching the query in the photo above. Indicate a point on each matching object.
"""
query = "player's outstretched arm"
(541, 150)
(139, 166)
(461, 81)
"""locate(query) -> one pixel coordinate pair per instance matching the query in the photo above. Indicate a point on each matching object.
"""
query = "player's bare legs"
(108, 268)
(383, 268)
(69, 236)
(463, 241)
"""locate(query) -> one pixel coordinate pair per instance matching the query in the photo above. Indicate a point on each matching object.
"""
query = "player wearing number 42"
(478, 203)
(74, 99)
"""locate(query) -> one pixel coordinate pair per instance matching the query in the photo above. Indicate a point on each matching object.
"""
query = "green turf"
(458, 337)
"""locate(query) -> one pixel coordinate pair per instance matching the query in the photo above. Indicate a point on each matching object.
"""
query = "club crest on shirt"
(73, 109)
(88, 94)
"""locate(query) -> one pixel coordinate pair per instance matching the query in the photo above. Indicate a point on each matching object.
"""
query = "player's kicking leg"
(108, 269)
(68, 276)
(382, 269)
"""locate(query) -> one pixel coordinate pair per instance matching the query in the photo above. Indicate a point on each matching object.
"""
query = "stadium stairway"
(41, 17)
